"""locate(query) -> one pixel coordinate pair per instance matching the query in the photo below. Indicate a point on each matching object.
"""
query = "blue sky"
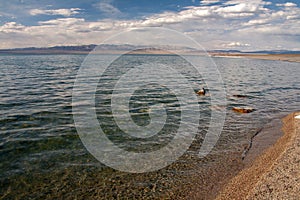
(215, 24)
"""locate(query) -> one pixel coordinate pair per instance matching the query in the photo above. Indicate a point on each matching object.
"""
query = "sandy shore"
(282, 57)
(273, 175)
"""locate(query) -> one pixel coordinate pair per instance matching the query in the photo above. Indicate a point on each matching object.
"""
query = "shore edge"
(274, 57)
(250, 182)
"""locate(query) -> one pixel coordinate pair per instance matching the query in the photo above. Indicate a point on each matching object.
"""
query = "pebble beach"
(275, 174)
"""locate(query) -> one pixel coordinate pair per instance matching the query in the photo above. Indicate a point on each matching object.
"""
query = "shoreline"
(273, 174)
(264, 139)
(275, 57)
(262, 56)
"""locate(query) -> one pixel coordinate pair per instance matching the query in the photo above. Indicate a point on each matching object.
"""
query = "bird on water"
(201, 91)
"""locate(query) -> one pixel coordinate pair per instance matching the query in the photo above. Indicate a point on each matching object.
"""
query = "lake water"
(42, 155)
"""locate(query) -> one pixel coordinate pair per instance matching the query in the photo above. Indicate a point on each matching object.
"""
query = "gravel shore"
(276, 173)
(281, 57)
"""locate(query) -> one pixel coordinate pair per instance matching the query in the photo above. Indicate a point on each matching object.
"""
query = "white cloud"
(236, 9)
(287, 4)
(11, 27)
(236, 44)
(242, 8)
(100, 26)
(207, 2)
(293, 17)
(257, 22)
(276, 18)
(63, 12)
(201, 13)
(260, 2)
(62, 22)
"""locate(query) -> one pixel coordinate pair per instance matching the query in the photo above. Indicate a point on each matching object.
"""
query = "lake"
(42, 155)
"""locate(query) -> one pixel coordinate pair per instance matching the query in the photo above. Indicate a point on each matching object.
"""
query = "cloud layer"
(63, 12)
(234, 24)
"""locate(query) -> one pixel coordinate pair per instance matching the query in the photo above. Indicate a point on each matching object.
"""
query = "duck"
(201, 91)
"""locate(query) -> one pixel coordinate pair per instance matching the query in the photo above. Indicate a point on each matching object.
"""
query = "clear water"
(39, 145)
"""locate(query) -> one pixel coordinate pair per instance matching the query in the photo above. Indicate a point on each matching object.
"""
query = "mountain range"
(111, 48)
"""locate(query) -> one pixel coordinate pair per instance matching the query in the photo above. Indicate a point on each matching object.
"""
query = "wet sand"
(275, 174)
(282, 57)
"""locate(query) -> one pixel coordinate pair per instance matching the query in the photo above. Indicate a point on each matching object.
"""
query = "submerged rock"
(243, 109)
(240, 95)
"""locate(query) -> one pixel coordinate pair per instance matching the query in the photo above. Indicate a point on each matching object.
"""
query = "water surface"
(42, 155)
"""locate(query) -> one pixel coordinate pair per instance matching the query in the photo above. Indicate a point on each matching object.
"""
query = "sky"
(215, 24)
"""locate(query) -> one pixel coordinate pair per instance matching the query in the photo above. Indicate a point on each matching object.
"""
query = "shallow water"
(42, 155)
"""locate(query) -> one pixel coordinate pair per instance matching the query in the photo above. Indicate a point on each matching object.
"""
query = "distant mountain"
(111, 48)
(225, 51)
(83, 49)
(274, 52)
(257, 52)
